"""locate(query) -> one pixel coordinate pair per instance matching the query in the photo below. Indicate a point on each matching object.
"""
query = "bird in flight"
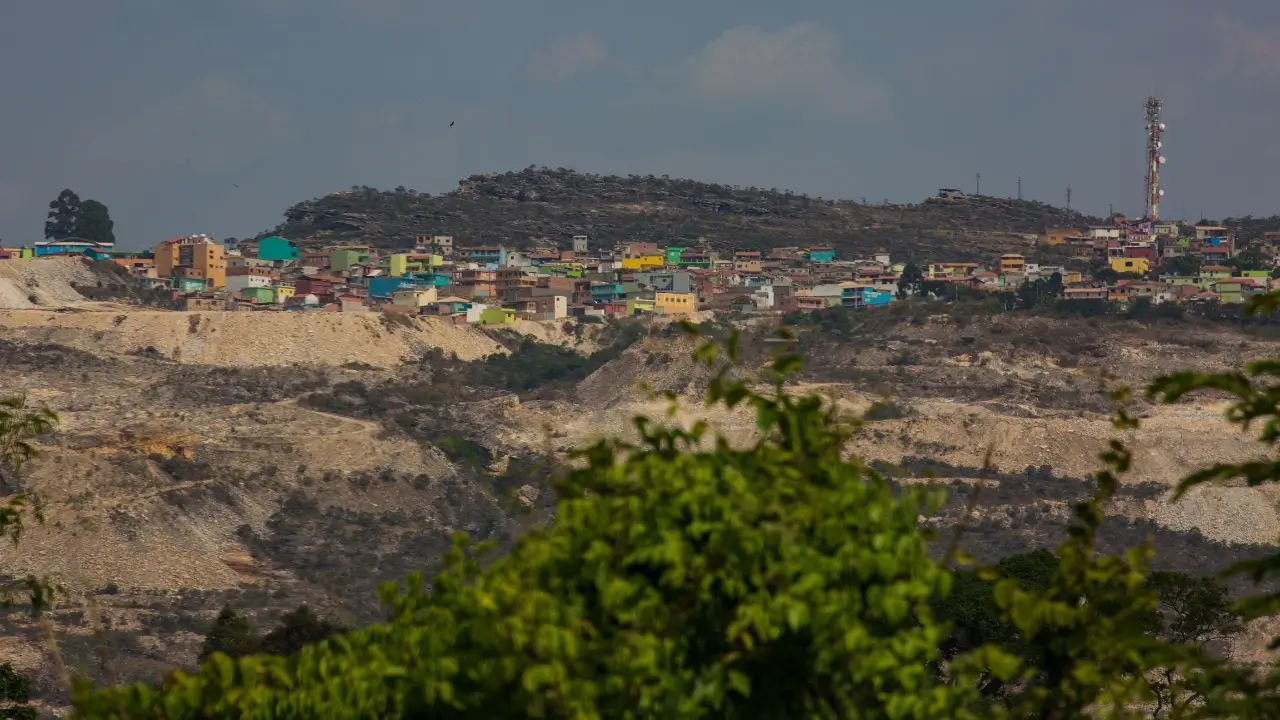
(452, 122)
(234, 185)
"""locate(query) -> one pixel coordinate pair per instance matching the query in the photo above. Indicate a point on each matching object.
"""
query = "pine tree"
(298, 628)
(64, 216)
(15, 695)
(230, 635)
(94, 223)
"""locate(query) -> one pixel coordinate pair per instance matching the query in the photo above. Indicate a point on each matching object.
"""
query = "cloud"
(216, 124)
(569, 56)
(801, 64)
(1245, 50)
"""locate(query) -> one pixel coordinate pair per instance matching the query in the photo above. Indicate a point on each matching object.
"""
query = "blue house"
(606, 291)
(860, 296)
(429, 279)
(822, 254)
(273, 247)
(69, 247)
(381, 287)
(489, 255)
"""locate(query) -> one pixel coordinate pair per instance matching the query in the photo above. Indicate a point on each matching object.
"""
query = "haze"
(160, 109)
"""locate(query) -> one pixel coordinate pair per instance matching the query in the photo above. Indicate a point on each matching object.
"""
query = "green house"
(188, 284)
(274, 247)
(263, 295)
(343, 260)
(673, 255)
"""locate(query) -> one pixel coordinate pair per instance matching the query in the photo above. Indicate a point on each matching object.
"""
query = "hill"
(269, 476)
(519, 208)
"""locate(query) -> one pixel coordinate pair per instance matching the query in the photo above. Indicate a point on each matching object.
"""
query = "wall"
(276, 248)
(236, 283)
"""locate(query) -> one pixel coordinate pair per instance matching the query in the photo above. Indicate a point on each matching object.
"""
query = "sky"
(213, 117)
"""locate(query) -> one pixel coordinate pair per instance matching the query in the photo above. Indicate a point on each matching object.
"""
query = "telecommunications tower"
(1155, 145)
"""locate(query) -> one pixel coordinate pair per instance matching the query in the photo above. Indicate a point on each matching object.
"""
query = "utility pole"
(1019, 187)
(977, 183)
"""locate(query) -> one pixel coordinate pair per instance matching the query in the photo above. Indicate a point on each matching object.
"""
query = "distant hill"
(518, 208)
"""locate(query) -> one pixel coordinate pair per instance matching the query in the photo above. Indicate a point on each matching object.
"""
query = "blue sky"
(159, 108)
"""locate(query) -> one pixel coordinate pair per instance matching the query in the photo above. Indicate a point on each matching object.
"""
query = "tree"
(1183, 265)
(909, 283)
(64, 216)
(94, 223)
(71, 217)
(19, 425)
(230, 635)
(15, 695)
(1195, 611)
(297, 629)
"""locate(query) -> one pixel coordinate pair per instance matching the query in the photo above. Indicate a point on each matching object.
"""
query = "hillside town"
(1121, 261)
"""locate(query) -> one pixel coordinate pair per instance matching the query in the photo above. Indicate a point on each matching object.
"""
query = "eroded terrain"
(182, 481)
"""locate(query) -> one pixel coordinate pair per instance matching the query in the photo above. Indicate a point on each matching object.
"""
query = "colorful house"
(188, 284)
(822, 254)
(284, 292)
(342, 260)
(635, 306)
(69, 247)
(397, 264)
(1138, 266)
(673, 255)
(606, 291)
(383, 287)
(1012, 263)
(274, 247)
(675, 303)
(489, 255)
(497, 316)
(949, 270)
(259, 294)
(643, 262)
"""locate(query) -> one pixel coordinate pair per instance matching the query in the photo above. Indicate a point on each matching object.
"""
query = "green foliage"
(19, 425)
(64, 214)
(1185, 265)
(70, 217)
(15, 695)
(532, 364)
(298, 629)
(230, 635)
(95, 223)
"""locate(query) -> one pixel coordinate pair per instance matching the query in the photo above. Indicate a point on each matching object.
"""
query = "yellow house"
(283, 292)
(413, 298)
(673, 303)
(951, 270)
(1139, 266)
(1012, 262)
(1071, 277)
(643, 262)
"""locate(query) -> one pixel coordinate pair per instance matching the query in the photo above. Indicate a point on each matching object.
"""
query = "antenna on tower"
(1019, 187)
(1155, 146)
(1068, 203)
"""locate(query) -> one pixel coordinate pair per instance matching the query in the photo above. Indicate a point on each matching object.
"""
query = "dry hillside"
(266, 459)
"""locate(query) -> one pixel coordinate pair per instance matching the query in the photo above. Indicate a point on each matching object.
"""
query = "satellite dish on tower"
(1161, 160)
(1162, 193)
(1162, 126)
